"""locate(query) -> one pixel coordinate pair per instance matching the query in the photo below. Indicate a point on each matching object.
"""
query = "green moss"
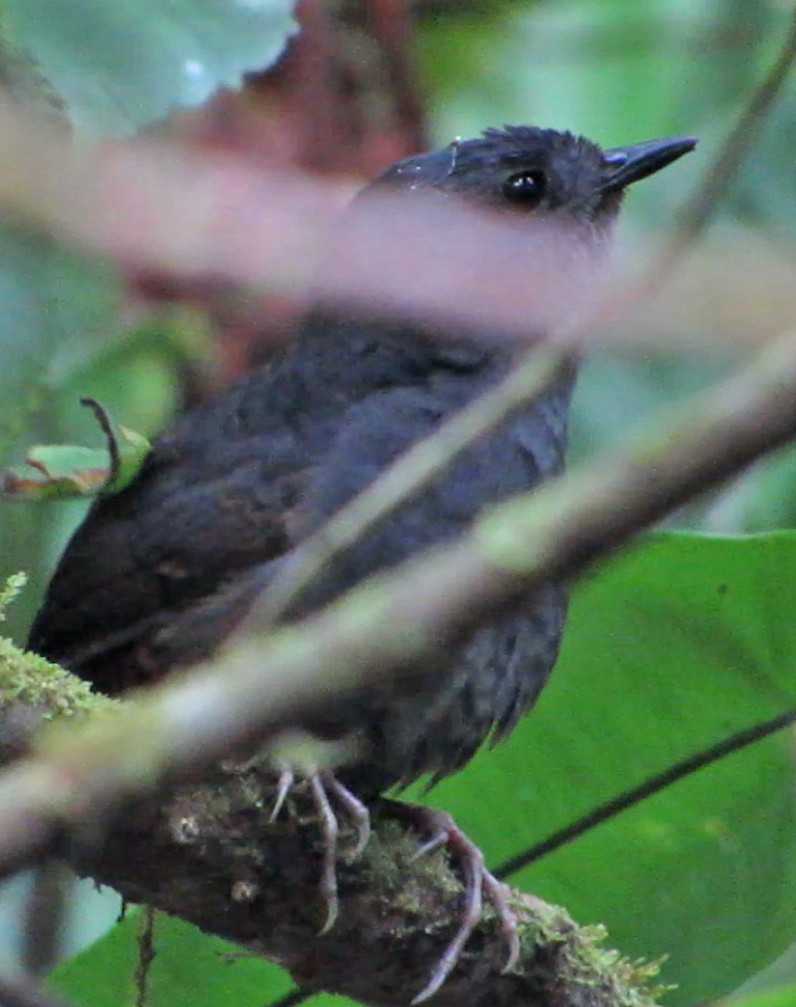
(12, 587)
(391, 868)
(26, 678)
(30, 679)
(591, 964)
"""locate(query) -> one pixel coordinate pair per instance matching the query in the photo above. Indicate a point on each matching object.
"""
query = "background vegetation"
(670, 647)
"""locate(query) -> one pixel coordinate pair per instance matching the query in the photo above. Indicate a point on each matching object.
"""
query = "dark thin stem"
(146, 955)
(106, 425)
(652, 785)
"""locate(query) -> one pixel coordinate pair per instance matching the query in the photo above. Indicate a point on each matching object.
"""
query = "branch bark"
(208, 852)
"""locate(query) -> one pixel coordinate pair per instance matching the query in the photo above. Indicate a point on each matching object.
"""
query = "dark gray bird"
(158, 574)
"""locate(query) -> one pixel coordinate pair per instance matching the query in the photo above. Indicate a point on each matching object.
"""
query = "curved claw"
(477, 881)
(356, 810)
(496, 892)
(472, 862)
(329, 832)
(321, 786)
(285, 782)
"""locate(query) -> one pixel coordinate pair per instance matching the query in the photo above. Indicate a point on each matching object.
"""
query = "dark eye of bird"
(525, 189)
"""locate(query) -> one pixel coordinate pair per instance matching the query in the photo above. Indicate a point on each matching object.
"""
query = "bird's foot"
(443, 831)
(325, 788)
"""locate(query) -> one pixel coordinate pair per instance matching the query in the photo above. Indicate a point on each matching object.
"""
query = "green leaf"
(65, 471)
(784, 996)
(133, 449)
(190, 969)
(669, 648)
(57, 472)
(120, 64)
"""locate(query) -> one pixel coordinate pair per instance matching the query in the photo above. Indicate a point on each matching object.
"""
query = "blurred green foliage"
(119, 66)
(668, 648)
(190, 968)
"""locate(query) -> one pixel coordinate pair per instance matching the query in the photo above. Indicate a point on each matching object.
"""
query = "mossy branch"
(208, 852)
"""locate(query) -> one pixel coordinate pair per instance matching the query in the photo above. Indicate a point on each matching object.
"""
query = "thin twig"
(146, 955)
(106, 425)
(653, 785)
(620, 301)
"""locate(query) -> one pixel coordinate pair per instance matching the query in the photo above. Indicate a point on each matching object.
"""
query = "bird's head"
(526, 170)
(418, 233)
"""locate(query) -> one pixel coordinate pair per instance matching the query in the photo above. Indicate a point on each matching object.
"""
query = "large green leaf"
(779, 996)
(669, 648)
(120, 64)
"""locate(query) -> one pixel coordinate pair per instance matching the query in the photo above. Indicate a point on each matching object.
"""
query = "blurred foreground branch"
(260, 686)
(77, 780)
(192, 215)
(201, 216)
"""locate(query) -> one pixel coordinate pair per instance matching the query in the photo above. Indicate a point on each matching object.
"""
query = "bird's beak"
(624, 165)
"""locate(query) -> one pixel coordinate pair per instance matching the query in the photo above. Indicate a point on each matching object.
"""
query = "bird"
(160, 573)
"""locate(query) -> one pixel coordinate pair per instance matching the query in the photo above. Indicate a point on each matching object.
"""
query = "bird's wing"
(158, 574)
(188, 527)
